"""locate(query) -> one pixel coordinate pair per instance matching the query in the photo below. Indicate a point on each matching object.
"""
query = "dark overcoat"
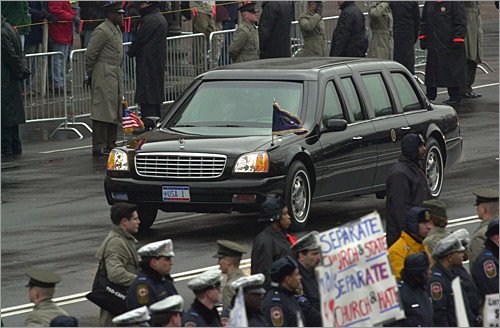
(406, 19)
(349, 39)
(442, 27)
(275, 25)
(149, 47)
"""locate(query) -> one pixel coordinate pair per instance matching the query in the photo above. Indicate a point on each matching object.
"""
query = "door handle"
(357, 138)
(405, 128)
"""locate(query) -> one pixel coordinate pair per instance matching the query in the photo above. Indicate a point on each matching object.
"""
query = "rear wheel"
(434, 167)
(147, 215)
(298, 195)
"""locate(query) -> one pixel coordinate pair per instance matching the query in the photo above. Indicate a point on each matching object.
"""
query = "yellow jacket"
(401, 249)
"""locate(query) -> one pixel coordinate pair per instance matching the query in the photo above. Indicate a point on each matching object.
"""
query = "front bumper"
(206, 196)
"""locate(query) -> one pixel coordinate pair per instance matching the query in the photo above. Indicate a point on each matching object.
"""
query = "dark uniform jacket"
(255, 319)
(275, 25)
(280, 308)
(406, 19)
(416, 302)
(198, 315)
(310, 301)
(149, 287)
(149, 46)
(485, 270)
(268, 246)
(12, 74)
(349, 39)
(470, 291)
(443, 303)
(441, 24)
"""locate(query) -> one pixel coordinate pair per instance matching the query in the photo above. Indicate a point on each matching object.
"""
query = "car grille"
(180, 165)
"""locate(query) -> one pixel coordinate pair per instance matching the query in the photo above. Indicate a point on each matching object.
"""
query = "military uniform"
(245, 43)
(477, 241)
(227, 292)
(280, 308)
(312, 28)
(382, 42)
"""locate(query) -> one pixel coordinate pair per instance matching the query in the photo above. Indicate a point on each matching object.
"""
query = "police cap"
(159, 248)
(492, 228)
(250, 7)
(437, 207)
(174, 303)
(307, 242)
(133, 317)
(229, 248)
(282, 268)
(42, 278)
(463, 236)
(250, 284)
(206, 280)
(485, 195)
(417, 263)
(449, 244)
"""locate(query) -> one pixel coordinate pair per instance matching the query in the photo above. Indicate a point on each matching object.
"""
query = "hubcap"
(300, 190)
(433, 169)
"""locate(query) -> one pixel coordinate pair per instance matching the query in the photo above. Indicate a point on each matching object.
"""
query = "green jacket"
(312, 28)
(17, 13)
(227, 291)
(43, 313)
(245, 44)
(103, 58)
(477, 242)
(382, 41)
(474, 34)
(120, 256)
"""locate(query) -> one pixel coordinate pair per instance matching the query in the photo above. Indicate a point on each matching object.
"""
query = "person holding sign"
(253, 294)
(418, 225)
(485, 269)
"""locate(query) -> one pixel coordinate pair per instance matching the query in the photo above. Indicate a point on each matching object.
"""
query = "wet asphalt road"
(54, 213)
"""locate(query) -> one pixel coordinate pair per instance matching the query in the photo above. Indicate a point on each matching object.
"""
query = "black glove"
(88, 80)
(319, 7)
(423, 46)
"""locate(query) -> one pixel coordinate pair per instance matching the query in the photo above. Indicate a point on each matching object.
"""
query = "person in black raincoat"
(406, 185)
(349, 39)
(406, 19)
(149, 47)
(442, 33)
(13, 72)
(275, 24)
(273, 242)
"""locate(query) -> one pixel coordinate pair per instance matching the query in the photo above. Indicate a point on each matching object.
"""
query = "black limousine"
(213, 152)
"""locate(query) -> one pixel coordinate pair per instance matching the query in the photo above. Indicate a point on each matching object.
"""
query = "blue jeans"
(58, 62)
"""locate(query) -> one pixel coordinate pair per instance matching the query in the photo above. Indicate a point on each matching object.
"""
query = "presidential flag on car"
(285, 122)
(130, 120)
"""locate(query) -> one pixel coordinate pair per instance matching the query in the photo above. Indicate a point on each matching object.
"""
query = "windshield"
(236, 107)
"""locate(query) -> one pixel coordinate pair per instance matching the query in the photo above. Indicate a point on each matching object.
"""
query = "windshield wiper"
(229, 126)
(184, 126)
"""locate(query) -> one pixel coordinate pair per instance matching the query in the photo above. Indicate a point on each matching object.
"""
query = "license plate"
(175, 194)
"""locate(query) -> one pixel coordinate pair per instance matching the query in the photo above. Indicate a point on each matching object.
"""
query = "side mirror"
(151, 122)
(335, 125)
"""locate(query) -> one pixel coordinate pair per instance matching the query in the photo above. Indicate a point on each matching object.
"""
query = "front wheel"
(147, 215)
(298, 195)
(434, 167)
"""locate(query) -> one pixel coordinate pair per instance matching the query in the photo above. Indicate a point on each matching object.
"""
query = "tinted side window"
(333, 108)
(377, 92)
(352, 99)
(409, 100)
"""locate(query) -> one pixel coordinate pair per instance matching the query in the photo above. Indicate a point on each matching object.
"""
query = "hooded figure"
(406, 185)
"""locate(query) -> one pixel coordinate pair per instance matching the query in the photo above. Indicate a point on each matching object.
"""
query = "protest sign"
(491, 315)
(357, 287)
(238, 314)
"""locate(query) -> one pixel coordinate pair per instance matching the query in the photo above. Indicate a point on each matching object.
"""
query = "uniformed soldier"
(207, 290)
(167, 312)
(307, 253)
(413, 292)
(134, 318)
(485, 269)
(153, 283)
(229, 256)
(280, 305)
(439, 219)
(487, 209)
(312, 28)
(41, 290)
(253, 293)
(245, 43)
(449, 253)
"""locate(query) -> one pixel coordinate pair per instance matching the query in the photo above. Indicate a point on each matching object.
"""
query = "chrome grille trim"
(179, 165)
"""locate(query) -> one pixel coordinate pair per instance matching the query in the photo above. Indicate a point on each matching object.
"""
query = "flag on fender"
(130, 120)
(285, 122)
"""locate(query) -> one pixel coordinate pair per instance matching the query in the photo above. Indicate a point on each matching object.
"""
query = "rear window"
(236, 107)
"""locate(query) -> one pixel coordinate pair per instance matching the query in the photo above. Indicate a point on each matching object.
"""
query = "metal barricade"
(219, 48)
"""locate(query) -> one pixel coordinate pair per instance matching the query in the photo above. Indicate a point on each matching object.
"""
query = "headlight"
(117, 160)
(257, 162)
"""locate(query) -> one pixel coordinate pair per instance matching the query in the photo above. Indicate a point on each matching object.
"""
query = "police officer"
(307, 253)
(439, 219)
(312, 27)
(273, 242)
(487, 209)
(245, 44)
(449, 253)
(134, 318)
(413, 292)
(207, 290)
(253, 292)
(280, 305)
(167, 312)
(485, 269)
(153, 282)
(229, 256)
(41, 290)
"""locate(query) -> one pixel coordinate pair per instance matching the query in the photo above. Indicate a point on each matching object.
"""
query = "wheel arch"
(305, 157)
